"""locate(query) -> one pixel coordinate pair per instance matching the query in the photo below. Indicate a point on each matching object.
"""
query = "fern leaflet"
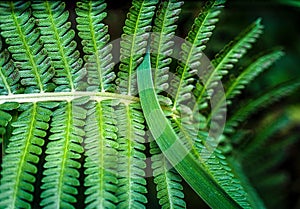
(9, 75)
(95, 37)
(263, 100)
(161, 43)
(61, 168)
(27, 50)
(101, 155)
(131, 185)
(167, 180)
(134, 42)
(58, 40)
(226, 59)
(250, 73)
(192, 50)
(22, 155)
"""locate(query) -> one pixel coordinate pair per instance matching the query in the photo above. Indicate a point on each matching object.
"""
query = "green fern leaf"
(95, 38)
(64, 149)
(5, 118)
(58, 40)
(192, 50)
(263, 100)
(101, 155)
(250, 73)
(256, 201)
(216, 164)
(131, 185)
(236, 49)
(226, 59)
(22, 155)
(167, 180)
(17, 27)
(134, 42)
(161, 43)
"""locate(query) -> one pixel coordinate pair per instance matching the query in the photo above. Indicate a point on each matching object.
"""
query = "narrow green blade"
(178, 154)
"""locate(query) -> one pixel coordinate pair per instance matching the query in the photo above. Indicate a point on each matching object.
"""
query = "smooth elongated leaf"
(181, 158)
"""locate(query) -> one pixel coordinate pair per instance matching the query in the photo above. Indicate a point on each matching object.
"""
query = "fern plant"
(73, 123)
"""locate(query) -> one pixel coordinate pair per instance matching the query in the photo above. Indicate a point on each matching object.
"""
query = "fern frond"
(101, 155)
(131, 185)
(263, 100)
(58, 40)
(134, 42)
(9, 75)
(95, 38)
(247, 75)
(22, 155)
(216, 165)
(226, 59)
(236, 49)
(256, 201)
(167, 180)
(64, 149)
(17, 27)
(161, 43)
(192, 49)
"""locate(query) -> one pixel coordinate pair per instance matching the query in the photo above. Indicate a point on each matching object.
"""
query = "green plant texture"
(82, 127)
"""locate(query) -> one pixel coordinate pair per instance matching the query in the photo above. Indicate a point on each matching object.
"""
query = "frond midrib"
(132, 48)
(159, 46)
(66, 96)
(129, 151)
(65, 152)
(96, 50)
(101, 151)
(25, 153)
